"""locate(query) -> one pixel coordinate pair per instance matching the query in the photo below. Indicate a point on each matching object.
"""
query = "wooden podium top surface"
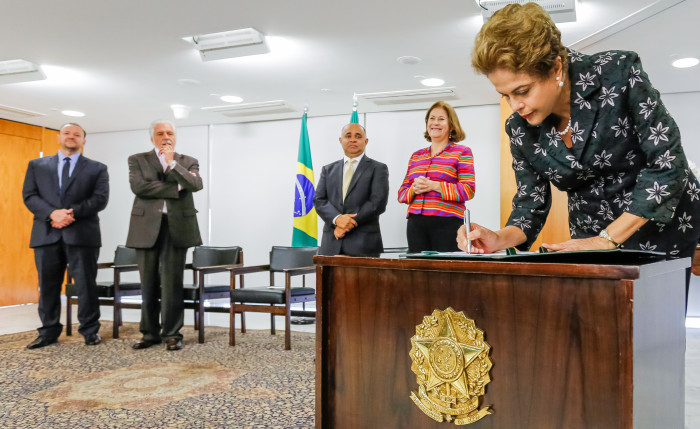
(558, 269)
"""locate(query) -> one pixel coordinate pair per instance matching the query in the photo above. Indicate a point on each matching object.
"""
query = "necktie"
(348, 177)
(65, 173)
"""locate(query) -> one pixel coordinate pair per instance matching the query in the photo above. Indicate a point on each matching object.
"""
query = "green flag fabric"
(305, 232)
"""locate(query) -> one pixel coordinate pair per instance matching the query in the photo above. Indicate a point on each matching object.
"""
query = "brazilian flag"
(354, 119)
(305, 221)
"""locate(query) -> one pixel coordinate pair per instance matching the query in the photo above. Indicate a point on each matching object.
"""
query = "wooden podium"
(572, 345)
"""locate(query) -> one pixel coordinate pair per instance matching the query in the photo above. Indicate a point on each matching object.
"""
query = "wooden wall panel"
(19, 129)
(507, 176)
(556, 229)
(49, 144)
(19, 144)
(18, 278)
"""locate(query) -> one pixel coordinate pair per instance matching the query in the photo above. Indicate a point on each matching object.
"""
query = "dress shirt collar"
(357, 159)
(73, 158)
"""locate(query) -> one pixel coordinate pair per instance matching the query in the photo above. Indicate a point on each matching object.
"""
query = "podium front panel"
(562, 341)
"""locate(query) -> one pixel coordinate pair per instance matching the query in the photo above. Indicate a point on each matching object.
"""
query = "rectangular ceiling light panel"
(409, 96)
(252, 109)
(559, 10)
(13, 71)
(16, 111)
(229, 44)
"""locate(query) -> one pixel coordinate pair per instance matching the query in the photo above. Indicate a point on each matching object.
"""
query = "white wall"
(114, 150)
(248, 172)
(684, 109)
(395, 136)
(249, 169)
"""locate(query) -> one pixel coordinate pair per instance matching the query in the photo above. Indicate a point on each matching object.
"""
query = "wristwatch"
(604, 234)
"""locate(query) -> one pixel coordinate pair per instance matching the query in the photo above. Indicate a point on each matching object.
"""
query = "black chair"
(109, 293)
(275, 300)
(209, 260)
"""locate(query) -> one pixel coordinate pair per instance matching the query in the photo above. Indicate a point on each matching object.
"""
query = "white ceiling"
(120, 61)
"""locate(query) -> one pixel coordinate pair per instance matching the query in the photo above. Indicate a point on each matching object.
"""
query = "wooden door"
(49, 142)
(556, 229)
(19, 143)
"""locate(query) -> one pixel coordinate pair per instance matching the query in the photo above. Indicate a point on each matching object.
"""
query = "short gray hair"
(342, 130)
(152, 128)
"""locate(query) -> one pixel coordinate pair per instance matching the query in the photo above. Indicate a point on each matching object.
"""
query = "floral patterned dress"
(626, 157)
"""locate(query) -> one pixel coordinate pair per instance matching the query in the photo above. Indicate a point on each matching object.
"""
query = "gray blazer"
(152, 187)
(367, 196)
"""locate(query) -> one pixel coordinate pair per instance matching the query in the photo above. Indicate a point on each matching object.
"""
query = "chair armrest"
(217, 268)
(105, 265)
(125, 268)
(300, 271)
(249, 269)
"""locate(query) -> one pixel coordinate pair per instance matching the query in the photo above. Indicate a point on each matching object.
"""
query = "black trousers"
(51, 261)
(162, 270)
(432, 233)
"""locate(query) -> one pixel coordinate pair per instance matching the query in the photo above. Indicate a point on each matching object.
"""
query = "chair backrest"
(208, 256)
(282, 258)
(124, 256)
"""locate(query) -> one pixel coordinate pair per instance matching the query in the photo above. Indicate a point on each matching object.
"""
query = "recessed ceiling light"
(73, 113)
(432, 81)
(231, 98)
(683, 63)
(409, 60)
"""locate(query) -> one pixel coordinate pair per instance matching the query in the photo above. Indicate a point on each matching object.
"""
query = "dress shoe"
(41, 342)
(143, 344)
(93, 340)
(173, 344)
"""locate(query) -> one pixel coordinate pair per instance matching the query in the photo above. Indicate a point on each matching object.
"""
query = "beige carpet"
(69, 385)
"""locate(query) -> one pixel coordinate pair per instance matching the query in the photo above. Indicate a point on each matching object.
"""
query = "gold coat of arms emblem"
(451, 363)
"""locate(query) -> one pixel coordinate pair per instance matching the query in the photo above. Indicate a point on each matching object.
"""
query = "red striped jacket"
(454, 168)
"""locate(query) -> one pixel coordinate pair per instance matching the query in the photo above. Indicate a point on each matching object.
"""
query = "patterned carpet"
(253, 385)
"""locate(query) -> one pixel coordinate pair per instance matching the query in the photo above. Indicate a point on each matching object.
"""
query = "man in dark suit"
(65, 192)
(163, 225)
(351, 194)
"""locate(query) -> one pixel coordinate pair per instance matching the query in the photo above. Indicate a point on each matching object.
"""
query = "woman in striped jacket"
(440, 178)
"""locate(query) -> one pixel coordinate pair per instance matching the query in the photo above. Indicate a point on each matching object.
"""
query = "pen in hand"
(468, 224)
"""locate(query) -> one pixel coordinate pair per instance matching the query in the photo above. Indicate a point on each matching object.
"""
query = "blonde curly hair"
(519, 38)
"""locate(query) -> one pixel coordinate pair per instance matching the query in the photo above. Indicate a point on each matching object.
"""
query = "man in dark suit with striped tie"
(351, 194)
(65, 192)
